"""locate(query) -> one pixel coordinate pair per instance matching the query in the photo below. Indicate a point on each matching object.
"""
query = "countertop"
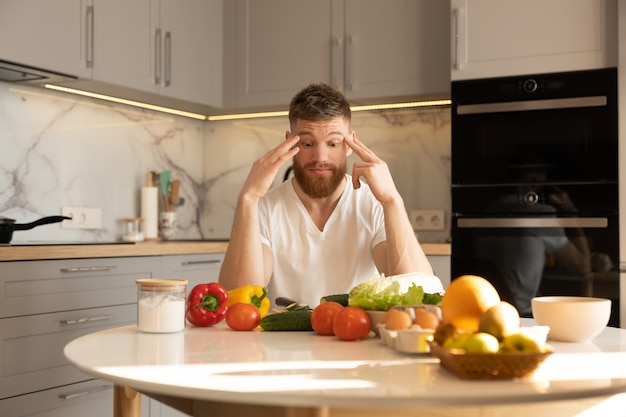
(303, 370)
(65, 251)
(40, 252)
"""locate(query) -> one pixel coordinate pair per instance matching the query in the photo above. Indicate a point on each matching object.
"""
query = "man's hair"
(319, 102)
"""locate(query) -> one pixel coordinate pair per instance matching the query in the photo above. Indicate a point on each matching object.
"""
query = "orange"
(466, 299)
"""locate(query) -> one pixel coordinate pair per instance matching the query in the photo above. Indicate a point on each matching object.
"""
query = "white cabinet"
(197, 269)
(46, 304)
(121, 48)
(47, 34)
(492, 38)
(369, 49)
(441, 268)
(160, 46)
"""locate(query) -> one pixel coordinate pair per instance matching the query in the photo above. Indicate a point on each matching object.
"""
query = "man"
(517, 256)
(323, 231)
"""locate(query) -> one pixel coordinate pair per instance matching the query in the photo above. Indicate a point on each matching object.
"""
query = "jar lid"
(157, 284)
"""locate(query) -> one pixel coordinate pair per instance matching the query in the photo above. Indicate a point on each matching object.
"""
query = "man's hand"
(373, 169)
(264, 169)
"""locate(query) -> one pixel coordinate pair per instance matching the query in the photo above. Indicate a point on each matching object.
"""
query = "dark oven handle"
(526, 222)
(527, 105)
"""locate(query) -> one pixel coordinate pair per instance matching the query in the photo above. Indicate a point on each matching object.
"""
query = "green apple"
(457, 342)
(520, 342)
(482, 343)
(501, 320)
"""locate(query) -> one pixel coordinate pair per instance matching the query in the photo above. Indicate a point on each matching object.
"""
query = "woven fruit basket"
(504, 365)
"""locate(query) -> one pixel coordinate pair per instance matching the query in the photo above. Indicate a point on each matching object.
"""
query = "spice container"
(161, 305)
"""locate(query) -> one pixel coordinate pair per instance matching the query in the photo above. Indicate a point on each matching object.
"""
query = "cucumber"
(338, 298)
(292, 320)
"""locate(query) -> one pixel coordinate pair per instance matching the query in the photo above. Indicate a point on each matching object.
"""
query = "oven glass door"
(569, 129)
(539, 245)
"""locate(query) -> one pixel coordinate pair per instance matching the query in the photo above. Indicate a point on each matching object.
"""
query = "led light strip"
(282, 113)
(125, 101)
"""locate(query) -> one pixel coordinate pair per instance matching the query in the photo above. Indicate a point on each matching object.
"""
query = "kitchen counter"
(186, 247)
(77, 251)
(304, 374)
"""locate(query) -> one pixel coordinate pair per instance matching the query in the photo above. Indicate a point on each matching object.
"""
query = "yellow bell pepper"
(251, 294)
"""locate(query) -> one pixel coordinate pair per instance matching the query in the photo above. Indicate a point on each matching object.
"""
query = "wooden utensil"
(174, 191)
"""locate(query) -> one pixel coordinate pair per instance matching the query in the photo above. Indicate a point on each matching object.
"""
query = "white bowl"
(570, 318)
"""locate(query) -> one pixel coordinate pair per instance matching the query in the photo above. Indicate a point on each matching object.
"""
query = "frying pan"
(7, 226)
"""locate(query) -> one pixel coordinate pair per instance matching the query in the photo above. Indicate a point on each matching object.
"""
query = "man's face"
(320, 166)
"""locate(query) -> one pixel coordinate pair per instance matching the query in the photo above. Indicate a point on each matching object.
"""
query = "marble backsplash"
(62, 151)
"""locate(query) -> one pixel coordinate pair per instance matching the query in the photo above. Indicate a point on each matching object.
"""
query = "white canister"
(161, 305)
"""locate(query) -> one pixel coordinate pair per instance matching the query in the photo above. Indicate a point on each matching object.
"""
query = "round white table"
(216, 371)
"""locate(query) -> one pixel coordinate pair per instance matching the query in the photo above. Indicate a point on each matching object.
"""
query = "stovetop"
(63, 243)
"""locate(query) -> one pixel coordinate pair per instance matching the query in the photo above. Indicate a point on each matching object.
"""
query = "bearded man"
(323, 231)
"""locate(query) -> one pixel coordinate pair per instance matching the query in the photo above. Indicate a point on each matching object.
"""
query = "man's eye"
(307, 144)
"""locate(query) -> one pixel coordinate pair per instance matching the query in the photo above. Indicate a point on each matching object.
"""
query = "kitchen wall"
(59, 150)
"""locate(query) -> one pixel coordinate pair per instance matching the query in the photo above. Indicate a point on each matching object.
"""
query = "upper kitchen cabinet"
(161, 46)
(369, 49)
(146, 50)
(52, 35)
(492, 38)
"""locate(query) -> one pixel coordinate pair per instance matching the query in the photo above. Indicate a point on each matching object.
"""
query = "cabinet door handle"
(540, 222)
(208, 261)
(457, 41)
(83, 393)
(168, 58)
(157, 57)
(88, 268)
(85, 319)
(89, 37)
(348, 63)
(334, 51)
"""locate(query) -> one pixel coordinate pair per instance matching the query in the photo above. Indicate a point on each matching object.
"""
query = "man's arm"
(244, 261)
(401, 253)
(247, 260)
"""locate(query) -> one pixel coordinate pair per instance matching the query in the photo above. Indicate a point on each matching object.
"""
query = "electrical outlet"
(428, 219)
(82, 218)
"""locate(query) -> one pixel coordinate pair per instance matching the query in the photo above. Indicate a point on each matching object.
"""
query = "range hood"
(21, 74)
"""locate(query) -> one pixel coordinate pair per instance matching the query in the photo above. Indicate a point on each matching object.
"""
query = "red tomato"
(351, 323)
(322, 317)
(243, 316)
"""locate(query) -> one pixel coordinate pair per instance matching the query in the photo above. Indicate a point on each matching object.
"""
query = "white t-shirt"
(309, 263)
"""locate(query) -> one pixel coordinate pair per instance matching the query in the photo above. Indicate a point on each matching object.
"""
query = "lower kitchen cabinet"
(45, 304)
(197, 269)
(441, 268)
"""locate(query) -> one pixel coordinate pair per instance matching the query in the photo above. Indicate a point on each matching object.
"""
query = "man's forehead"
(337, 125)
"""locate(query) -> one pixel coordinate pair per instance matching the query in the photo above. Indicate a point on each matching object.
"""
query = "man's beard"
(318, 186)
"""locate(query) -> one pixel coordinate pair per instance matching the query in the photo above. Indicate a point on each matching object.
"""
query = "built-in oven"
(535, 185)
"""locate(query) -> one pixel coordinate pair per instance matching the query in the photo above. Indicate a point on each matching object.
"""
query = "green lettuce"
(381, 293)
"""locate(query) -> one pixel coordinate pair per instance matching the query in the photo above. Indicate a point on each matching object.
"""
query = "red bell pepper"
(207, 304)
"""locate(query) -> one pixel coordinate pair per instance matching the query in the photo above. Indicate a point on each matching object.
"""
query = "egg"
(397, 320)
(425, 319)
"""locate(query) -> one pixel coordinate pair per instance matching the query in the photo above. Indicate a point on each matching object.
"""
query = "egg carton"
(411, 340)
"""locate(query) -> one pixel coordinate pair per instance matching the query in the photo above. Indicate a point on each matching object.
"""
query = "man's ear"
(287, 134)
